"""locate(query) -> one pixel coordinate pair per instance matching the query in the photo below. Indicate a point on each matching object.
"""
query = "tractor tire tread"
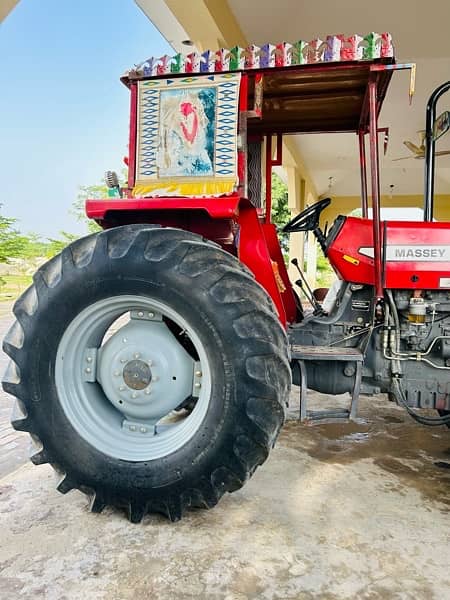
(233, 290)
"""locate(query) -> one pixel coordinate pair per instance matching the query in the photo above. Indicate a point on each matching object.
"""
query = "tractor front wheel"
(120, 332)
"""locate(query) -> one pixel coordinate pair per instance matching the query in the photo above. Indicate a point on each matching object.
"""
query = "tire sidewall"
(132, 274)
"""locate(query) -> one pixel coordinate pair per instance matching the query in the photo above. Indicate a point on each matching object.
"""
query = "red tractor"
(152, 361)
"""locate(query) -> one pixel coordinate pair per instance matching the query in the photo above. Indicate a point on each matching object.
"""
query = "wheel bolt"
(148, 392)
(122, 388)
(89, 359)
(155, 378)
(151, 315)
(198, 373)
(143, 429)
(198, 385)
(124, 340)
(88, 370)
(137, 355)
(140, 314)
(116, 373)
(134, 395)
(132, 428)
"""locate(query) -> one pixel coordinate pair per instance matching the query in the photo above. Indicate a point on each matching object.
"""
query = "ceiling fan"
(419, 151)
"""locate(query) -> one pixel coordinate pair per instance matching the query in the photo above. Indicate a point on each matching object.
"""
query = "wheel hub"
(98, 357)
(137, 374)
(144, 371)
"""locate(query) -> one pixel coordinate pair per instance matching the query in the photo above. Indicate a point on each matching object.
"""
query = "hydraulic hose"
(398, 389)
(430, 421)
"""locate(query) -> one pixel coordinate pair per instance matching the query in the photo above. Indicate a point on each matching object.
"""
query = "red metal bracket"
(400, 67)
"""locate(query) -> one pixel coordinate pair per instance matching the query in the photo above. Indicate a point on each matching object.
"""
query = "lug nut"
(148, 392)
(88, 370)
(155, 378)
(143, 429)
(151, 315)
(140, 313)
(134, 395)
(122, 388)
(198, 373)
(124, 340)
(89, 359)
(137, 355)
(132, 428)
(116, 373)
(198, 385)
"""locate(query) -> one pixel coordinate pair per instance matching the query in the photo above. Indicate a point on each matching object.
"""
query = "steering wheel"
(308, 219)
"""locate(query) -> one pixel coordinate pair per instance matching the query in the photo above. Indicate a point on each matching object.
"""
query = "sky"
(64, 114)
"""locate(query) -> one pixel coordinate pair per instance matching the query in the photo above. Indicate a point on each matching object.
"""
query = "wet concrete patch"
(384, 433)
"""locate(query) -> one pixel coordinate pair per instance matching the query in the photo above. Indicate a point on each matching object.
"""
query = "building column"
(311, 260)
(301, 192)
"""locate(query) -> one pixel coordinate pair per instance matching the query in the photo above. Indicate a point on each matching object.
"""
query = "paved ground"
(338, 511)
(13, 444)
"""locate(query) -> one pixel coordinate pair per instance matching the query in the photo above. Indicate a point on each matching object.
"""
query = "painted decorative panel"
(187, 135)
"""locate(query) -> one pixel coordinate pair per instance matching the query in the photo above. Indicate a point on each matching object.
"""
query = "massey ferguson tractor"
(152, 361)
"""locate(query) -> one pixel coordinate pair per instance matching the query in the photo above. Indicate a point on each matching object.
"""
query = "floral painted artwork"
(186, 132)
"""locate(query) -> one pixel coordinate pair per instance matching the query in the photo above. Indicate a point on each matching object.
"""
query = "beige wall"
(6, 7)
(207, 23)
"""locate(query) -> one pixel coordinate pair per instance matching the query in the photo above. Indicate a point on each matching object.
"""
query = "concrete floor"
(13, 444)
(338, 511)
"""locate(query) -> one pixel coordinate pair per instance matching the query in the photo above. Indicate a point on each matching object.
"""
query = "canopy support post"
(375, 173)
(363, 167)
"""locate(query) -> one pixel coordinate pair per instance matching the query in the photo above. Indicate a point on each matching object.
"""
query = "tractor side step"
(329, 353)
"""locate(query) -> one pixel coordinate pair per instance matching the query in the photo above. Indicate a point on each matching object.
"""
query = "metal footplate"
(327, 353)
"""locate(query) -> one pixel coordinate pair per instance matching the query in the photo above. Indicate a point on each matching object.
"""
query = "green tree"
(280, 212)
(57, 245)
(99, 192)
(34, 247)
(13, 244)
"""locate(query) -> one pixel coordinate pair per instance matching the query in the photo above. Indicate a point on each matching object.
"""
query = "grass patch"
(11, 286)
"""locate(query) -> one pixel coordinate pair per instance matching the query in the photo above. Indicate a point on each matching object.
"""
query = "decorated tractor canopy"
(198, 121)
(203, 130)
(335, 48)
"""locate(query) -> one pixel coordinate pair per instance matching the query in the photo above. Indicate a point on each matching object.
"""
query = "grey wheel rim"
(120, 393)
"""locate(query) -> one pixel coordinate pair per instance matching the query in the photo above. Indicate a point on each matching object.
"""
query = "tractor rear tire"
(207, 310)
